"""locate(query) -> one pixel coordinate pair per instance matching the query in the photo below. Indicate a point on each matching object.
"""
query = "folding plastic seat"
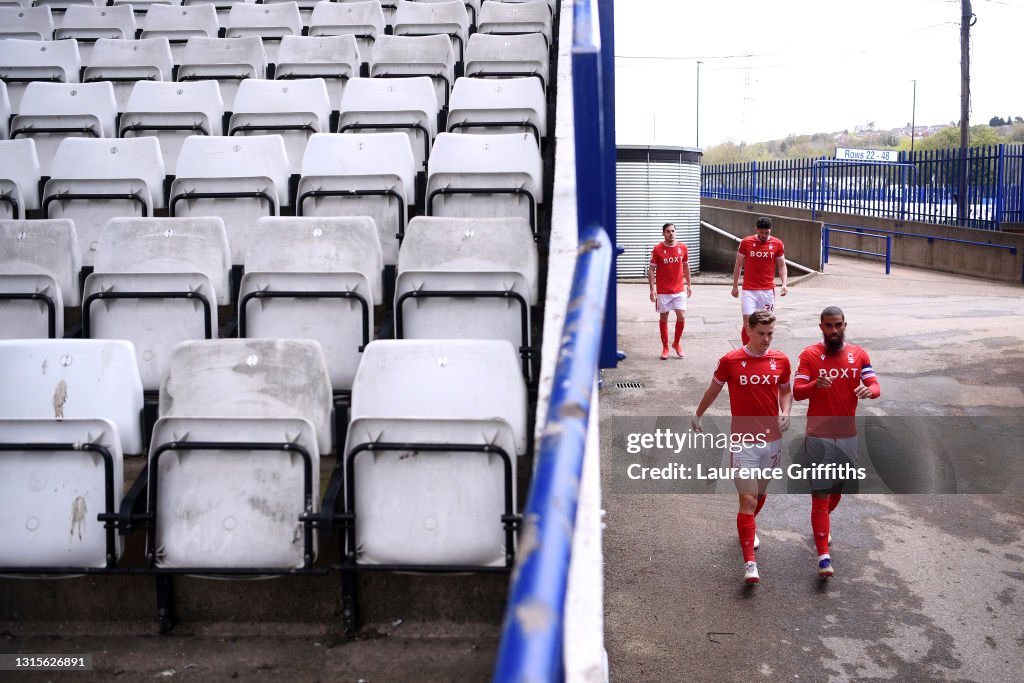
(388, 7)
(223, 7)
(63, 434)
(367, 174)
(93, 181)
(24, 61)
(125, 62)
(467, 278)
(157, 282)
(407, 104)
(240, 179)
(19, 178)
(178, 24)
(335, 59)
(362, 20)
(268, 22)
(5, 112)
(293, 109)
(313, 278)
(403, 56)
(493, 56)
(235, 458)
(431, 472)
(171, 112)
(488, 105)
(514, 18)
(26, 23)
(305, 8)
(141, 7)
(227, 62)
(39, 267)
(89, 24)
(428, 19)
(485, 176)
(52, 112)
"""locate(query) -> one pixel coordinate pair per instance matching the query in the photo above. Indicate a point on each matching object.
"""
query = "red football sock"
(760, 503)
(680, 324)
(746, 527)
(744, 336)
(663, 326)
(833, 501)
(819, 524)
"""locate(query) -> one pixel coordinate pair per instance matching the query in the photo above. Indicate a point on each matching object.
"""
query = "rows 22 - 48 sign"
(847, 154)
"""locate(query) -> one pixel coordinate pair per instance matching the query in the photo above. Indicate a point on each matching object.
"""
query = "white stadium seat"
(39, 269)
(171, 112)
(467, 278)
(178, 24)
(294, 109)
(26, 23)
(59, 7)
(487, 105)
(88, 24)
(367, 174)
(406, 104)
(364, 21)
(472, 8)
(493, 56)
(52, 112)
(93, 181)
(240, 179)
(333, 58)
(416, 501)
(404, 56)
(326, 275)
(141, 7)
(263, 409)
(63, 433)
(19, 177)
(388, 7)
(428, 19)
(268, 22)
(485, 176)
(125, 62)
(508, 18)
(5, 112)
(226, 61)
(157, 282)
(25, 61)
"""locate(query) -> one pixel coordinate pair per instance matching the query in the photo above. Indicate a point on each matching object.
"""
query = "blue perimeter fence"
(923, 186)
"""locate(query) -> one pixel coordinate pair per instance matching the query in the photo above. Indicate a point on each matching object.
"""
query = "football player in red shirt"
(669, 270)
(834, 375)
(757, 257)
(760, 400)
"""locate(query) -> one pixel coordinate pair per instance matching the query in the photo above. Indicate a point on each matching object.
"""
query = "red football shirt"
(754, 383)
(759, 261)
(668, 263)
(830, 412)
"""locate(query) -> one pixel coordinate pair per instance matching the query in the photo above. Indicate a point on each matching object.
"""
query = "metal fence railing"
(923, 186)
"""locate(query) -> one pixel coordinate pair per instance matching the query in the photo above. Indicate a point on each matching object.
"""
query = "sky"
(779, 67)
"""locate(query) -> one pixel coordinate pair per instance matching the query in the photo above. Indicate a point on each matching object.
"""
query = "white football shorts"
(757, 300)
(671, 302)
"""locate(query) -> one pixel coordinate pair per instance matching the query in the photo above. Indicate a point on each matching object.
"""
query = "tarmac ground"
(927, 587)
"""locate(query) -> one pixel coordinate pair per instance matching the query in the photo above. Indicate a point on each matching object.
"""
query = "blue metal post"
(610, 354)
(1000, 190)
(531, 643)
(825, 243)
(753, 182)
(888, 254)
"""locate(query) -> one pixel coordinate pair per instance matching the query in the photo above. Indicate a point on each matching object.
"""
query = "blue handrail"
(896, 233)
(531, 642)
(827, 239)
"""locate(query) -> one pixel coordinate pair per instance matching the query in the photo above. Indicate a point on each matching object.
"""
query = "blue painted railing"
(531, 647)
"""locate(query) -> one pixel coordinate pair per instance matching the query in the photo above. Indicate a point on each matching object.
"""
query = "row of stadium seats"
(296, 109)
(160, 281)
(241, 179)
(424, 479)
(271, 22)
(230, 61)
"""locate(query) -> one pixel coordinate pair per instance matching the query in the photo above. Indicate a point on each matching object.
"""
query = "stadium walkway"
(926, 587)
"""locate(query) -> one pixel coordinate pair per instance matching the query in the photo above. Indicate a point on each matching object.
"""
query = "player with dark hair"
(669, 270)
(834, 375)
(760, 400)
(757, 256)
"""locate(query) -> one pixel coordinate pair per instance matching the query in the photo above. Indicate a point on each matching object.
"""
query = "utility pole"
(967, 19)
(913, 119)
(697, 144)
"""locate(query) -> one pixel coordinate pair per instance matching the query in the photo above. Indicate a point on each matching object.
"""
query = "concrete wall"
(949, 257)
(802, 237)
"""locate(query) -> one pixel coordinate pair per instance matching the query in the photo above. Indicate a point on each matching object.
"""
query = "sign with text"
(882, 155)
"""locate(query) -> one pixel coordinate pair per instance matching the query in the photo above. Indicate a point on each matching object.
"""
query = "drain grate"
(628, 385)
